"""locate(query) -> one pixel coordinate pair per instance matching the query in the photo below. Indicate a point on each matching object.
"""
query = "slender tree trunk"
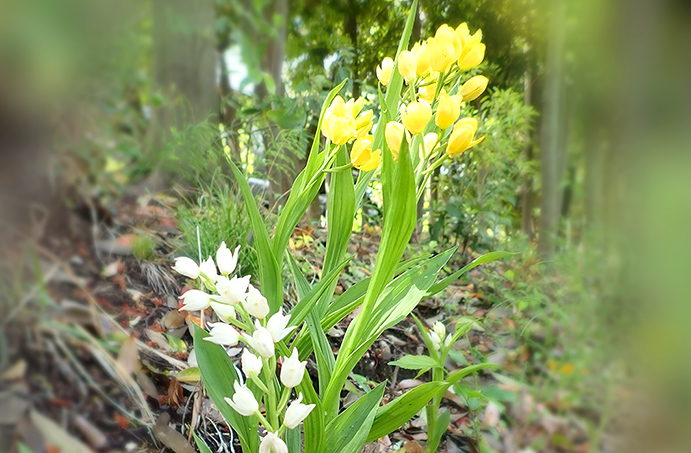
(351, 28)
(184, 65)
(227, 111)
(550, 137)
(527, 189)
(281, 169)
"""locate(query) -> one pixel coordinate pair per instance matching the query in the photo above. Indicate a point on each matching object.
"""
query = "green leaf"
(393, 415)
(348, 431)
(218, 375)
(189, 375)
(314, 423)
(21, 448)
(322, 351)
(306, 304)
(486, 258)
(293, 440)
(305, 187)
(397, 301)
(463, 372)
(439, 429)
(415, 362)
(302, 286)
(201, 445)
(176, 343)
(340, 212)
(269, 269)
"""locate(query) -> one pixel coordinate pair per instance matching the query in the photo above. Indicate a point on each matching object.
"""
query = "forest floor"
(98, 349)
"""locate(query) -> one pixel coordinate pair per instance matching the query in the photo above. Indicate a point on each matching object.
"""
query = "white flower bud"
(223, 311)
(243, 401)
(194, 300)
(186, 267)
(439, 329)
(232, 291)
(271, 443)
(256, 304)
(251, 364)
(261, 341)
(292, 370)
(297, 412)
(208, 268)
(226, 260)
(223, 334)
(277, 326)
(436, 341)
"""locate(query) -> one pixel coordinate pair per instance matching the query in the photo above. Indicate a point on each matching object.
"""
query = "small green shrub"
(217, 213)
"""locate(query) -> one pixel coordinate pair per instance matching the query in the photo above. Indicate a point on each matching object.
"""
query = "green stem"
(436, 164)
(341, 168)
(260, 384)
(245, 317)
(264, 421)
(239, 324)
(269, 372)
(284, 399)
(433, 410)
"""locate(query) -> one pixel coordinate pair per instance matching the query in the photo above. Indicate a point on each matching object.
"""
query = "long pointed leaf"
(393, 415)
(218, 375)
(348, 432)
(305, 187)
(269, 270)
(486, 258)
(404, 293)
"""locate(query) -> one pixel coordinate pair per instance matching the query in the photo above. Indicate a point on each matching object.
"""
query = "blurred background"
(114, 113)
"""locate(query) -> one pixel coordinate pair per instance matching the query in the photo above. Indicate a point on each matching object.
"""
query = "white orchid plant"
(260, 392)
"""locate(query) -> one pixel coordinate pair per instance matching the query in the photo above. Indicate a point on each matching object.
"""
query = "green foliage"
(478, 194)
(143, 247)
(219, 214)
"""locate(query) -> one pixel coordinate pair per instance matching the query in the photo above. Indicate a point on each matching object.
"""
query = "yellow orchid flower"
(416, 115)
(394, 133)
(361, 154)
(385, 70)
(462, 137)
(448, 111)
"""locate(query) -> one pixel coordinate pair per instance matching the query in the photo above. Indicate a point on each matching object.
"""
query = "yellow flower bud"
(384, 71)
(362, 156)
(394, 133)
(448, 111)
(474, 87)
(422, 63)
(461, 137)
(428, 144)
(363, 124)
(415, 116)
(407, 66)
(340, 129)
(472, 55)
